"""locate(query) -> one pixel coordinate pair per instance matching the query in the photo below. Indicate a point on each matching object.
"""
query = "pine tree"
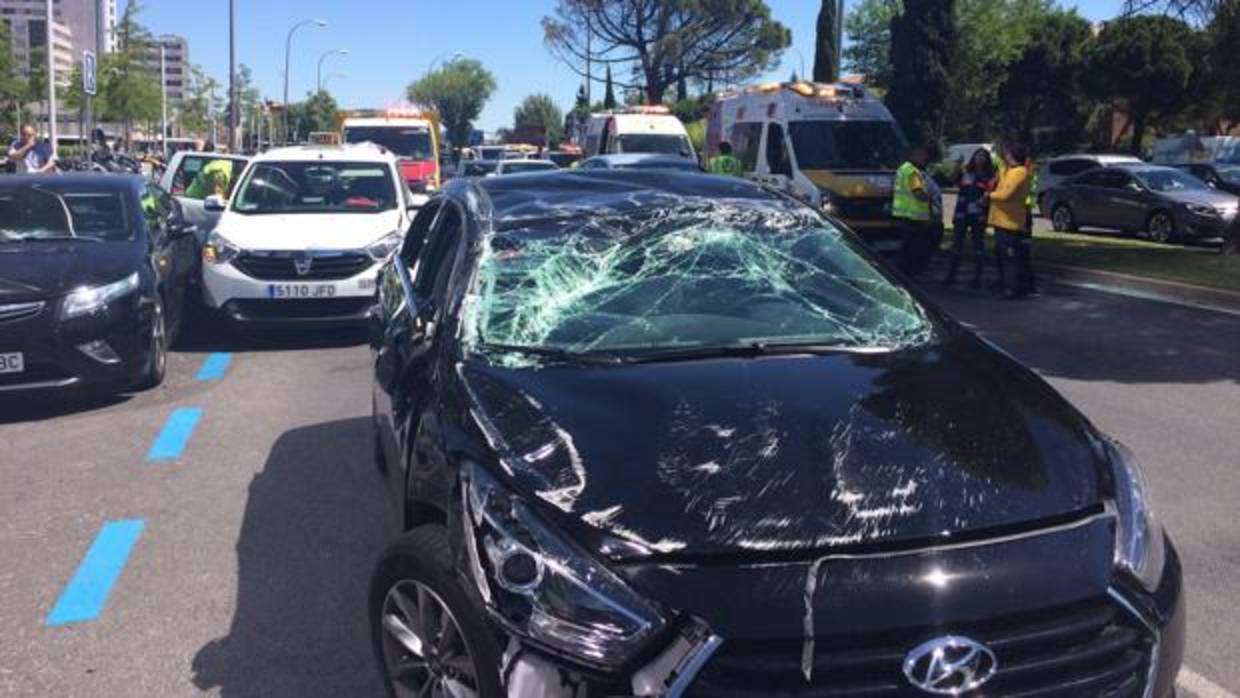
(923, 38)
(609, 97)
(826, 58)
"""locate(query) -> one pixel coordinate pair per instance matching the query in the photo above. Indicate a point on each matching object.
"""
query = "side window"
(156, 207)
(416, 236)
(185, 174)
(435, 263)
(777, 151)
(745, 139)
(1071, 166)
(1093, 179)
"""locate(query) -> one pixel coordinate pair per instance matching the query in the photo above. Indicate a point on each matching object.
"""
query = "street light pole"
(51, 77)
(163, 99)
(326, 54)
(234, 109)
(288, 52)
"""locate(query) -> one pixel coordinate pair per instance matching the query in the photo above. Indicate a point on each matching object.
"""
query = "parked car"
(524, 166)
(660, 434)
(1056, 170)
(639, 161)
(1220, 176)
(1160, 202)
(178, 177)
(301, 240)
(93, 278)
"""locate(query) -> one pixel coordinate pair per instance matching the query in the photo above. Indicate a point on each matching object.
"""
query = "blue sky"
(392, 42)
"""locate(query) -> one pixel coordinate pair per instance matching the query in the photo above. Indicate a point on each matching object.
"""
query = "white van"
(650, 130)
(833, 146)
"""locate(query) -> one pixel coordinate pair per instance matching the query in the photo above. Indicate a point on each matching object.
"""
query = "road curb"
(1170, 291)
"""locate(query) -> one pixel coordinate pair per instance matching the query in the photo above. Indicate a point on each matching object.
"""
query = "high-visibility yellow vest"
(904, 204)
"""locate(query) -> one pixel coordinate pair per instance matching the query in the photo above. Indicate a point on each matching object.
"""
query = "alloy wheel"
(1061, 219)
(1161, 227)
(424, 650)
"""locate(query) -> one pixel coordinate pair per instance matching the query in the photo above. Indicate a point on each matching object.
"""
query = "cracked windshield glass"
(698, 276)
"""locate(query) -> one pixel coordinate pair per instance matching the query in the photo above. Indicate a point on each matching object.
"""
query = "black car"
(672, 434)
(1163, 203)
(93, 272)
(1221, 176)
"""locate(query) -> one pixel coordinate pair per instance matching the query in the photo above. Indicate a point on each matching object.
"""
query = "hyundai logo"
(949, 665)
(303, 265)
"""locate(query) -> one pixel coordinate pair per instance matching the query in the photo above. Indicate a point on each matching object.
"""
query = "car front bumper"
(252, 301)
(1195, 225)
(105, 349)
(1115, 641)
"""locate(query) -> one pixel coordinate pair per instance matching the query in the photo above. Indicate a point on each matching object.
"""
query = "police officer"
(911, 207)
(213, 178)
(725, 163)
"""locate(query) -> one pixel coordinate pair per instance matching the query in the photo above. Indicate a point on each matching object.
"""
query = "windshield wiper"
(554, 353)
(749, 350)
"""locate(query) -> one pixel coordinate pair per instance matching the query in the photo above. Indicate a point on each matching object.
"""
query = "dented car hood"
(788, 454)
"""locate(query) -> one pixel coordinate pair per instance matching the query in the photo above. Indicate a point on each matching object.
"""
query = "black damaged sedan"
(93, 276)
(674, 435)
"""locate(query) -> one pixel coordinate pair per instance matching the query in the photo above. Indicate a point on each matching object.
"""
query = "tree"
(1202, 10)
(923, 39)
(12, 86)
(1044, 84)
(1143, 65)
(826, 60)
(458, 90)
(128, 92)
(609, 95)
(664, 42)
(868, 51)
(579, 115)
(540, 111)
(318, 112)
(1223, 36)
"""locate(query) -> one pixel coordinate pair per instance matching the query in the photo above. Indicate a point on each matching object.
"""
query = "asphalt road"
(249, 575)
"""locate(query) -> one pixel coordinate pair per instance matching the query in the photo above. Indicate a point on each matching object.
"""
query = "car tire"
(1062, 219)
(1160, 227)
(155, 366)
(415, 576)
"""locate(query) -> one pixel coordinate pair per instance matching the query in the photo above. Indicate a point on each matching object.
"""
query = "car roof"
(1104, 158)
(351, 152)
(95, 180)
(218, 156)
(1138, 167)
(632, 158)
(564, 192)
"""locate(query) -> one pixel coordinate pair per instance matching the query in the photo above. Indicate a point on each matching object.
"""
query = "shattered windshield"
(706, 275)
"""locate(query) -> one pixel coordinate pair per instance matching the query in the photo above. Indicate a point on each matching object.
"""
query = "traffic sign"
(88, 73)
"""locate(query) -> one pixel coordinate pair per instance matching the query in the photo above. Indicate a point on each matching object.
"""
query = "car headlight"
(88, 299)
(382, 248)
(1203, 210)
(218, 250)
(1139, 545)
(546, 588)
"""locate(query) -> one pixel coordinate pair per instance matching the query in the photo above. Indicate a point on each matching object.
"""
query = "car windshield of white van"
(660, 143)
(693, 276)
(847, 145)
(316, 187)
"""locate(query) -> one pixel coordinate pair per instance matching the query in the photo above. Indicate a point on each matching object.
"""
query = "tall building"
(176, 63)
(77, 25)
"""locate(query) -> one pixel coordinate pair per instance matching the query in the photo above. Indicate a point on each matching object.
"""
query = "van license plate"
(301, 291)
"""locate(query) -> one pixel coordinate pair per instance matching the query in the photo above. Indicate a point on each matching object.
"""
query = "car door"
(410, 305)
(779, 166)
(173, 249)
(1084, 194)
(1126, 202)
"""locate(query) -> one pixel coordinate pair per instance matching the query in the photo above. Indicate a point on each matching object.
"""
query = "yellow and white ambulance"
(834, 146)
(637, 129)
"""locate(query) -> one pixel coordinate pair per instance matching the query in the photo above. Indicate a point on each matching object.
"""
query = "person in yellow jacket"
(1009, 216)
(911, 206)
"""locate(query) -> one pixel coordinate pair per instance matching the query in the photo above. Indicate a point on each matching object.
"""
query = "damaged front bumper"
(668, 674)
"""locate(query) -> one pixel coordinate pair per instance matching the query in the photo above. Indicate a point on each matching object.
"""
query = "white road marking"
(1199, 686)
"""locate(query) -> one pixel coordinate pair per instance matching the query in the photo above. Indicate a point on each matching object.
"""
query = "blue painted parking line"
(88, 591)
(215, 366)
(171, 442)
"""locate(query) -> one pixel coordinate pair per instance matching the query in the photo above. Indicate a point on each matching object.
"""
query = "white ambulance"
(648, 129)
(834, 146)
